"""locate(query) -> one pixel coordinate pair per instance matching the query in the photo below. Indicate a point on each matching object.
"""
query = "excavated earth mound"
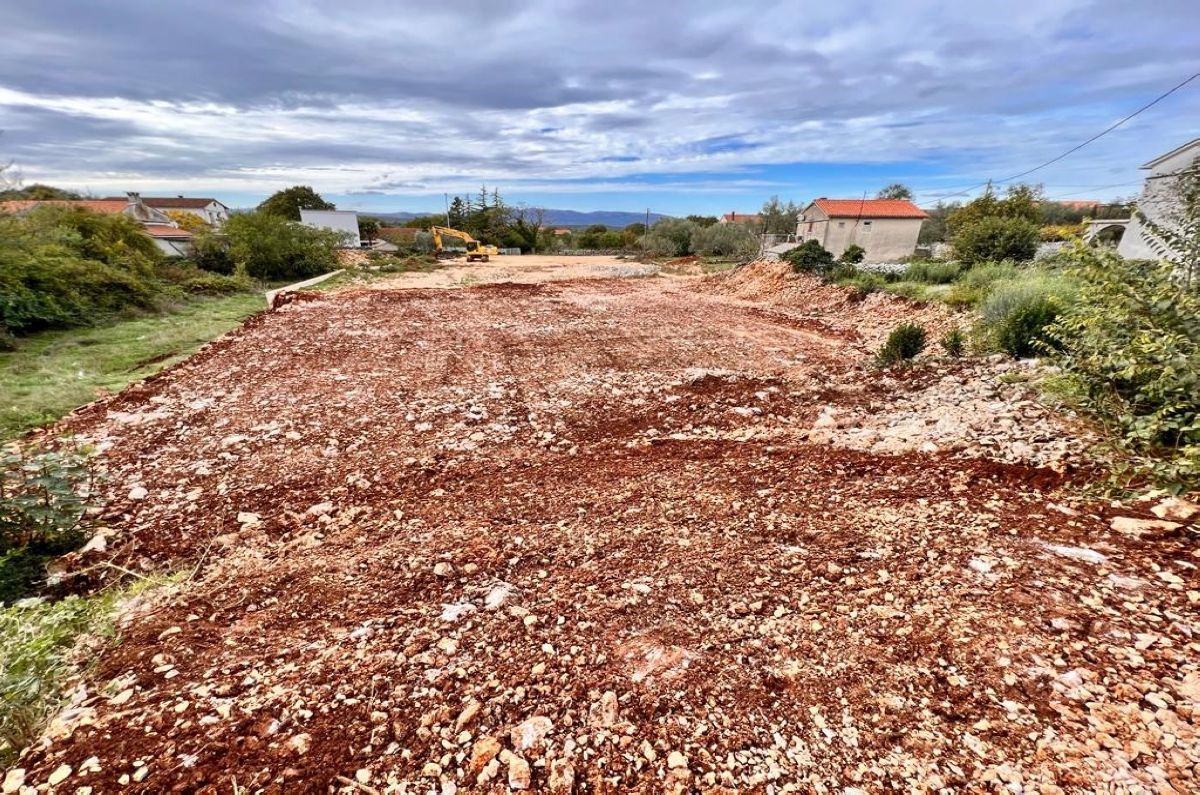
(576, 537)
(842, 310)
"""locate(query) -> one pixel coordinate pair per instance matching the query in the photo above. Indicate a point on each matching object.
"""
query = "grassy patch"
(42, 649)
(53, 372)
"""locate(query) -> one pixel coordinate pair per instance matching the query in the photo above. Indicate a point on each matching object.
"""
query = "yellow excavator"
(475, 249)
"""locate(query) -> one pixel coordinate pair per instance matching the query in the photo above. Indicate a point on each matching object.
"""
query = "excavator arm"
(475, 249)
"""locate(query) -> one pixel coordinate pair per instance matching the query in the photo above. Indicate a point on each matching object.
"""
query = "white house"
(1158, 205)
(210, 211)
(887, 229)
(344, 221)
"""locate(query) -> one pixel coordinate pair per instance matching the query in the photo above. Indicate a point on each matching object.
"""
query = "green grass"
(53, 372)
(40, 655)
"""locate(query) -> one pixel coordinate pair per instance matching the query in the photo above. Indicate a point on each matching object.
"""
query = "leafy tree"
(934, 229)
(810, 256)
(670, 237)
(724, 240)
(187, 221)
(457, 214)
(288, 202)
(779, 218)
(36, 191)
(702, 221)
(897, 190)
(590, 238)
(270, 247)
(526, 223)
(994, 238)
(368, 227)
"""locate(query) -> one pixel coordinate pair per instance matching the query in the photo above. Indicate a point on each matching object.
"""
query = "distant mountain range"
(609, 218)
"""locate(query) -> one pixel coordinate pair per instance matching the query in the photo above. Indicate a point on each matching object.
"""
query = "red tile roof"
(175, 202)
(162, 230)
(869, 208)
(741, 218)
(104, 206)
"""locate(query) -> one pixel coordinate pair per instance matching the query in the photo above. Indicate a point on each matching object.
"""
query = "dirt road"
(574, 536)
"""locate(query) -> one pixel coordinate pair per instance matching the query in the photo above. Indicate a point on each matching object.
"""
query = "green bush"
(211, 253)
(977, 280)
(809, 257)
(903, 344)
(1131, 342)
(43, 498)
(668, 237)
(954, 343)
(853, 254)
(1015, 313)
(725, 240)
(62, 266)
(932, 272)
(271, 247)
(995, 238)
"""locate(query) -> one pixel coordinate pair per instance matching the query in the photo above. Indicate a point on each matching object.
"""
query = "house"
(751, 219)
(166, 234)
(210, 211)
(886, 228)
(343, 221)
(1156, 217)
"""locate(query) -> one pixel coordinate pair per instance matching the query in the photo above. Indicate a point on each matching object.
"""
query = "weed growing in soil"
(903, 344)
(954, 343)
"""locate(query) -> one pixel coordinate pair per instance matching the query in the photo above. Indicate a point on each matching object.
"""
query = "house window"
(866, 226)
(841, 224)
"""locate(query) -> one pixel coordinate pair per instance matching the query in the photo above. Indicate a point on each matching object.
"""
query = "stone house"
(887, 229)
(210, 211)
(1157, 206)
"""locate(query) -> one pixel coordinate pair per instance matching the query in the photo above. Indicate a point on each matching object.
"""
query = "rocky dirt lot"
(595, 536)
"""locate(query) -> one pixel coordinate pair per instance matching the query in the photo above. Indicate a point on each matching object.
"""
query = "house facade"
(210, 211)
(887, 229)
(343, 221)
(1158, 206)
(170, 239)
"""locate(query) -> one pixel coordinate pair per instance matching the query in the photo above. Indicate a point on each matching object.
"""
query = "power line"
(1075, 149)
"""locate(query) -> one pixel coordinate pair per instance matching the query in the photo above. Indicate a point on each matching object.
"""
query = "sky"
(697, 107)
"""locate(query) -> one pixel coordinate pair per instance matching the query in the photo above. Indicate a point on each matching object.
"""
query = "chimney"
(134, 197)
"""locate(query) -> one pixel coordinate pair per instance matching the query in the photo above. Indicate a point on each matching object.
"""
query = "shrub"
(1016, 313)
(670, 237)
(1057, 232)
(976, 281)
(215, 284)
(271, 247)
(63, 266)
(863, 282)
(1131, 341)
(853, 254)
(43, 499)
(954, 343)
(211, 253)
(995, 238)
(903, 344)
(932, 272)
(810, 256)
(725, 240)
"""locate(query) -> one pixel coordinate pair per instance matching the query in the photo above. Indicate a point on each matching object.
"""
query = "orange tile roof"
(103, 206)
(869, 208)
(742, 218)
(162, 230)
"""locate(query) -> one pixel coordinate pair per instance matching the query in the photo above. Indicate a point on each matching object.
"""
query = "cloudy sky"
(681, 107)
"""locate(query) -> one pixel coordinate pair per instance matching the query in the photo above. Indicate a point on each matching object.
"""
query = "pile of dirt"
(575, 539)
(844, 310)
